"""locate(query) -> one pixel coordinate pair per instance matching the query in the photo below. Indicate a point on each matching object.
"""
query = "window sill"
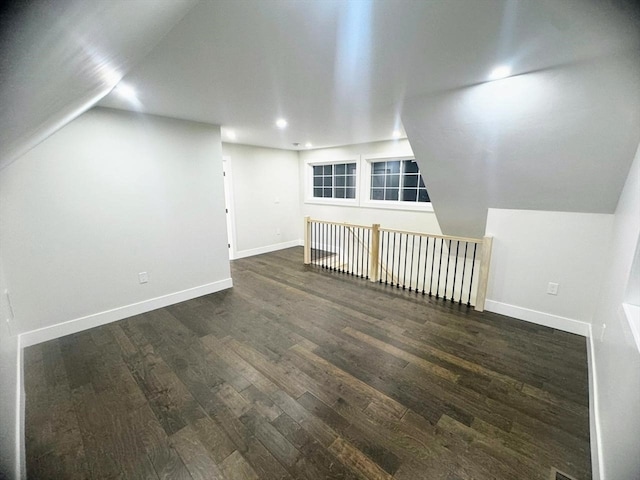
(632, 313)
(406, 206)
(338, 202)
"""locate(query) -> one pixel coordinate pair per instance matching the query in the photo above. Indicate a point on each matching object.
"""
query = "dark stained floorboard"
(303, 373)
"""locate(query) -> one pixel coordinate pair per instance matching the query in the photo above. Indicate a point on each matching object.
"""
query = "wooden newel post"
(483, 278)
(307, 240)
(374, 253)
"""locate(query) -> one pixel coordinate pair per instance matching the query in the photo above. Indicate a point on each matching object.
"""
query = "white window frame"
(386, 204)
(345, 202)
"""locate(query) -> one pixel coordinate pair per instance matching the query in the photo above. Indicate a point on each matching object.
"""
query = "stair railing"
(454, 269)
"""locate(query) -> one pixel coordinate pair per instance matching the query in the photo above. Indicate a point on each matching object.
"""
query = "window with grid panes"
(336, 180)
(397, 181)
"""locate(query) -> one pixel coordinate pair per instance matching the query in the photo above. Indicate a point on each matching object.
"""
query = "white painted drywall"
(11, 441)
(633, 287)
(532, 248)
(549, 140)
(420, 221)
(108, 196)
(616, 357)
(266, 196)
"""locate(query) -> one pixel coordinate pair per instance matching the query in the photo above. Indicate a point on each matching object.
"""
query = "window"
(336, 180)
(397, 181)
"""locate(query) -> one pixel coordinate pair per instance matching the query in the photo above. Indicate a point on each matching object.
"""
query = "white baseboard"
(541, 318)
(269, 248)
(594, 416)
(20, 453)
(77, 325)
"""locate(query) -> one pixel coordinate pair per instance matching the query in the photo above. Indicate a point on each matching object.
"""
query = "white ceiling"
(339, 71)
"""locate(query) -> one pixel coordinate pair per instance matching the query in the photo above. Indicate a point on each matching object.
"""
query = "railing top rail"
(406, 232)
(423, 234)
(344, 224)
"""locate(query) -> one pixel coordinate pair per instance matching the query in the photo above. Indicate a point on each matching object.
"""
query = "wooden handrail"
(433, 235)
(406, 232)
(342, 224)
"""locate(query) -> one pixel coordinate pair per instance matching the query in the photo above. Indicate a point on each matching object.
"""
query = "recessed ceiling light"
(126, 91)
(502, 71)
(397, 133)
(281, 123)
(308, 145)
(230, 134)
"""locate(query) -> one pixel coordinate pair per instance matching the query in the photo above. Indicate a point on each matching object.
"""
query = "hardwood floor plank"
(239, 364)
(232, 426)
(320, 431)
(396, 352)
(170, 400)
(261, 402)
(316, 461)
(545, 455)
(285, 379)
(214, 439)
(324, 377)
(165, 460)
(375, 395)
(517, 462)
(357, 461)
(236, 403)
(195, 456)
(76, 359)
(271, 438)
(235, 467)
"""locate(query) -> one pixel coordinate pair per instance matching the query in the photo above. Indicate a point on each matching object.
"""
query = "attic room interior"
(369, 239)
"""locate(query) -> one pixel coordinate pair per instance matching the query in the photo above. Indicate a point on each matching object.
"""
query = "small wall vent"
(558, 475)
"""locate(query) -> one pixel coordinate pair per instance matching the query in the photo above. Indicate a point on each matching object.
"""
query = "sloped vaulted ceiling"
(558, 139)
(58, 57)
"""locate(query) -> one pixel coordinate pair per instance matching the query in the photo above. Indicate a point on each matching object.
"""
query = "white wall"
(266, 198)
(420, 221)
(11, 442)
(533, 248)
(548, 140)
(615, 354)
(108, 196)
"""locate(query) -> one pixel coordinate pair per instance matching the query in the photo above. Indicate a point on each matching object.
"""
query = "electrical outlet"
(277, 231)
(604, 327)
(143, 277)
(552, 288)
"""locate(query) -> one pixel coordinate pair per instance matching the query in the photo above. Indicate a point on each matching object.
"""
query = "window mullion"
(401, 182)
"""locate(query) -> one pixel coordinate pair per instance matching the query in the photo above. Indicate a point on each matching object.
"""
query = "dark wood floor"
(307, 374)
